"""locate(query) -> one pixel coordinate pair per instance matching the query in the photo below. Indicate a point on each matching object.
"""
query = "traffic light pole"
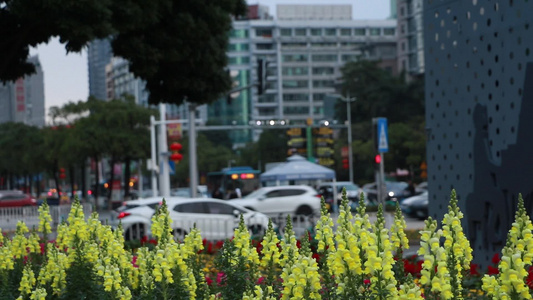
(164, 177)
(193, 173)
(350, 154)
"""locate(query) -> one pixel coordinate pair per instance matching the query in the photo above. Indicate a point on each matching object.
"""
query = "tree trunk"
(11, 181)
(110, 184)
(83, 187)
(30, 184)
(26, 190)
(72, 185)
(56, 180)
(38, 185)
(127, 175)
(97, 183)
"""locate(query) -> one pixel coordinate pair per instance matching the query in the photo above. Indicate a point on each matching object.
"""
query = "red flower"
(474, 269)
(493, 271)
(316, 256)
(144, 239)
(298, 244)
(260, 280)
(496, 259)
(208, 280)
(366, 281)
(219, 245)
(220, 278)
(529, 279)
(134, 261)
(153, 242)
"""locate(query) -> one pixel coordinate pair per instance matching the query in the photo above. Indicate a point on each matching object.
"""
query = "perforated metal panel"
(479, 113)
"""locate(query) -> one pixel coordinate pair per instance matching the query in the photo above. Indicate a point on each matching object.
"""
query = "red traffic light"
(377, 159)
(175, 147)
(345, 161)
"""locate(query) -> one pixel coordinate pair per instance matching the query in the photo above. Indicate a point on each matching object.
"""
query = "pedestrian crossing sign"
(383, 138)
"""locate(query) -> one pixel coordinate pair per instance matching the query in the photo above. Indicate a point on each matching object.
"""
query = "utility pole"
(193, 166)
(164, 176)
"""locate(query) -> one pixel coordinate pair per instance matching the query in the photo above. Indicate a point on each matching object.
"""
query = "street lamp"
(348, 100)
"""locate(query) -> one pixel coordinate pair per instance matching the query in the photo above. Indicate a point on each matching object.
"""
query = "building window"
(319, 97)
(239, 33)
(238, 47)
(324, 45)
(402, 11)
(263, 32)
(375, 31)
(300, 32)
(295, 97)
(264, 47)
(359, 31)
(349, 57)
(296, 110)
(318, 110)
(389, 31)
(324, 57)
(266, 111)
(316, 31)
(239, 60)
(323, 83)
(346, 31)
(285, 32)
(294, 71)
(293, 45)
(331, 31)
(323, 70)
(294, 58)
(294, 84)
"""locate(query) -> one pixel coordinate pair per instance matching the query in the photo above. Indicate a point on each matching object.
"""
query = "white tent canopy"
(297, 168)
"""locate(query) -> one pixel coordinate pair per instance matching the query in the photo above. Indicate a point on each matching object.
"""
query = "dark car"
(416, 206)
(396, 191)
(16, 199)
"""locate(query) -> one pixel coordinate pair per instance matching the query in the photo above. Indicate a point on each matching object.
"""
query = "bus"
(245, 178)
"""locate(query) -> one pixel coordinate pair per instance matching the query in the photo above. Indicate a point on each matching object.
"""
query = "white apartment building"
(306, 47)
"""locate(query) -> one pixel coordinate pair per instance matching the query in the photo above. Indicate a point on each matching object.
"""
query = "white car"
(216, 219)
(282, 200)
(353, 191)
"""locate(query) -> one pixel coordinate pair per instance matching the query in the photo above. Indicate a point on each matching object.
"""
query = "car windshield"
(254, 194)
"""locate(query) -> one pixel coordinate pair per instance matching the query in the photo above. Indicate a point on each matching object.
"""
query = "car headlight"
(391, 194)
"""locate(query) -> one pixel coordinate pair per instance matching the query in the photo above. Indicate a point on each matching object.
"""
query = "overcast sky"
(66, 76)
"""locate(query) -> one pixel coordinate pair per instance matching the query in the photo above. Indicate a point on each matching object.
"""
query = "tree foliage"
(381, 94)
(177, 47)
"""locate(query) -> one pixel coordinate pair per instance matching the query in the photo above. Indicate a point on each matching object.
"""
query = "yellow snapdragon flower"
(27, 282)
(44, 219)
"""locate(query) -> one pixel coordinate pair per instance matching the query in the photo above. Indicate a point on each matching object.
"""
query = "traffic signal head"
(377, 159)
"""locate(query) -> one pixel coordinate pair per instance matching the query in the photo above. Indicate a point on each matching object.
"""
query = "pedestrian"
(411, 188)
(238, 192)
(217, 194)
(231, 194)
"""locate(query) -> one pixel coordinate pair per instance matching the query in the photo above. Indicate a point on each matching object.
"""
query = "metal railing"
(215, 229)
(9, 216)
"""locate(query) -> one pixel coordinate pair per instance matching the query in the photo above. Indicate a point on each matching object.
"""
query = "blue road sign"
(383, 136)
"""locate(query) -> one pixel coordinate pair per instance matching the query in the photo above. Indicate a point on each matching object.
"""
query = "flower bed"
(360, 260)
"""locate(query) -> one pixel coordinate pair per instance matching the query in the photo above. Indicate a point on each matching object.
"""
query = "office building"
(99, 55)
(23, 100)
(410, 38)
(479, 92)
